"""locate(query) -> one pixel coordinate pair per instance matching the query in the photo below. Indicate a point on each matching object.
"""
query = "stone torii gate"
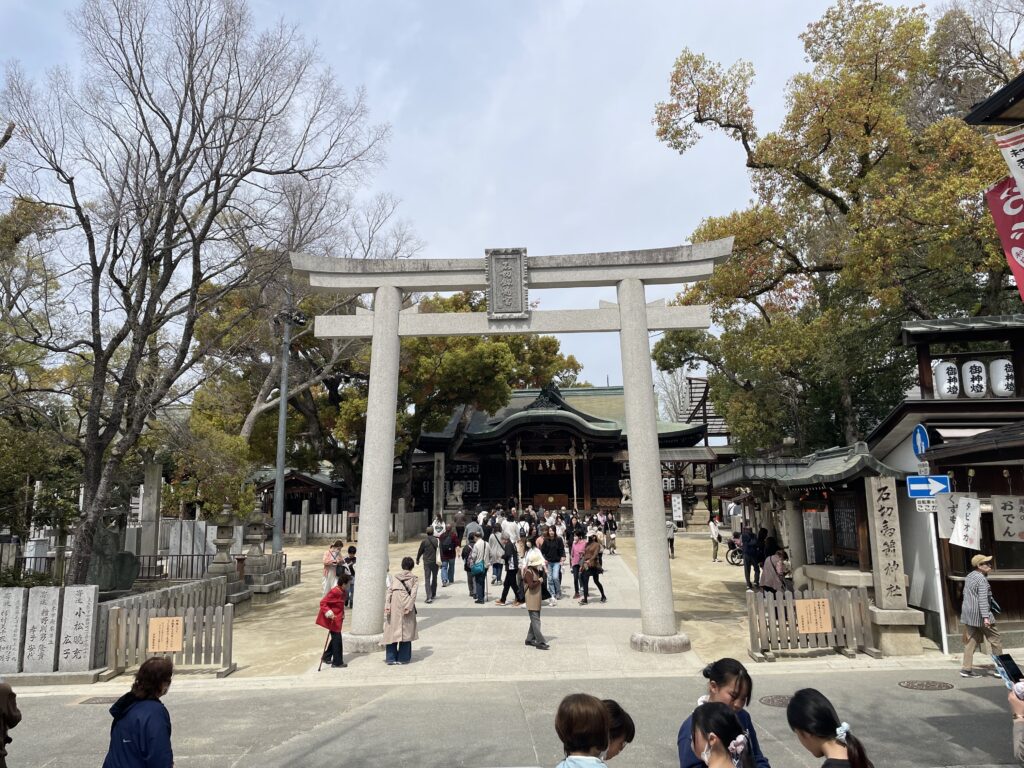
(507, 274)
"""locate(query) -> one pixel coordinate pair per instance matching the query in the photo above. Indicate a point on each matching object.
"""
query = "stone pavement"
(476, 696)
(476, 721)
(456, 634)
(586, 641)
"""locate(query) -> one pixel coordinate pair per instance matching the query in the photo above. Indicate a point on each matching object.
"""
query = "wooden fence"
(207, 637)
(320, 524)
(773, 623)
(178, 597)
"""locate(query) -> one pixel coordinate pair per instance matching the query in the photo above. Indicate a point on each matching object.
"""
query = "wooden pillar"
(587, 501)
(924, 372)
(508, 489)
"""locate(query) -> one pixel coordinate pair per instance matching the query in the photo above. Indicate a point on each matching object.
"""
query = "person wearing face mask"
(718, 737)
(621, 730)
(582, 725)
(729, 683)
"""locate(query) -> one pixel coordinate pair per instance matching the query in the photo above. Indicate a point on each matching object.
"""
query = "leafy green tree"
(868, 211)
(446, 377)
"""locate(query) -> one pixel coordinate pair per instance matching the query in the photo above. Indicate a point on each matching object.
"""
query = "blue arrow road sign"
(926, 486)
(921, 441)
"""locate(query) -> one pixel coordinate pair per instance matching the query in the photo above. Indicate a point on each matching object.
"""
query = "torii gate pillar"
(378, 469)
(507, 273)
(657, 616)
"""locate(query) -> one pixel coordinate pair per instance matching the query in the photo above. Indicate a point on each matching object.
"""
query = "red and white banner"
(1011, 144)
(1007, 208)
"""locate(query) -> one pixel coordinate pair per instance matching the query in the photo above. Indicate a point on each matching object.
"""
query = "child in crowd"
(582, 725)
(621, 730)
(718, 737)
(350, 561)
(814, 721)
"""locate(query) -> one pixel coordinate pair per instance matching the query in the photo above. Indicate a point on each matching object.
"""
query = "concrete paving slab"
(312, 722)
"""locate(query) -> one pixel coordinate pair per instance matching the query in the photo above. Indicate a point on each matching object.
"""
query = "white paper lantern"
(975, 378)
(1000, 374)
(947, 381)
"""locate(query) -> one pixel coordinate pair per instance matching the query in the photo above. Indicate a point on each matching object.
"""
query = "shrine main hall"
(549, 447)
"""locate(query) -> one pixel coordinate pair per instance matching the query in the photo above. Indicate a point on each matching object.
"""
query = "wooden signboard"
(166, 635)
(813, 617)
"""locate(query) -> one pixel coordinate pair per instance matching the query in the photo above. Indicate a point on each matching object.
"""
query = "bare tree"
(673, 394)
(187, 131)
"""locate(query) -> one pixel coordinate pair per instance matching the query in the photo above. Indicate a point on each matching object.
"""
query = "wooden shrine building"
(547, 447)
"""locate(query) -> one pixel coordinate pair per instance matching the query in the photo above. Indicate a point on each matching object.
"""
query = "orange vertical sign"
(813, 617)
(166, 635)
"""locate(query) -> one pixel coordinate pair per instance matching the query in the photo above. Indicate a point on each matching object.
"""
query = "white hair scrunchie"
(737, 745)
(841, 731)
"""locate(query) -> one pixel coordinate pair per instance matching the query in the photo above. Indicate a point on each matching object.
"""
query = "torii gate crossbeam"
(507, 274)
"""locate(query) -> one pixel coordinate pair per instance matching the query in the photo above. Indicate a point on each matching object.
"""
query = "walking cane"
(321, 664)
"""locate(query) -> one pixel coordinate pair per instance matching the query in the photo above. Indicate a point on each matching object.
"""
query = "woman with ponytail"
(814, 721)
(718, 737)
(729, 684)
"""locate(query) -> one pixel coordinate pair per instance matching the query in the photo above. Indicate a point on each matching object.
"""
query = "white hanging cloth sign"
(967, 525)
(1008, 518)
(945, 512)
(1011, 144)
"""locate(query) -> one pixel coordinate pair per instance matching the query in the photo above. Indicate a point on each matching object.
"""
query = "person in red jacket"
(330, 617)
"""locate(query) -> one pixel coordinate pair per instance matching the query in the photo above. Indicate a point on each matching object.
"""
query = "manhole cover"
(925, 685)
(775, 701)
(100, 700)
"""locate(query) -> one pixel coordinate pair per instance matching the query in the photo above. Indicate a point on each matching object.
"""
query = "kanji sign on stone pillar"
(886, 544)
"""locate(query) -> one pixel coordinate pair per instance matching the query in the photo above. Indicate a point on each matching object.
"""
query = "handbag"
(409, 593)
(477, 567)
(993, 606)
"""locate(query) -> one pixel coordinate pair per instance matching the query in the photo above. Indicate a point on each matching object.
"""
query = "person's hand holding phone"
(1016, 705)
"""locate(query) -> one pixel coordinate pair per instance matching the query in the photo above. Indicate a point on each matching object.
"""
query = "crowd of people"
(494, 545)
(765, 564)
(717, 734)
(524, 553)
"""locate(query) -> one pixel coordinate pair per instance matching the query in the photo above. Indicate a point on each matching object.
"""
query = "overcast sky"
(528, 123)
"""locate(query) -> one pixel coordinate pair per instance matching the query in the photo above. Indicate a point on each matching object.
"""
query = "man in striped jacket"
(976, 614)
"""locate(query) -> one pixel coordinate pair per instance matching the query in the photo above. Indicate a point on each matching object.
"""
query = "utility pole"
(286, 319)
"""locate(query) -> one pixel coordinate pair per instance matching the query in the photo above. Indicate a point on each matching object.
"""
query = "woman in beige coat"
(400, 615)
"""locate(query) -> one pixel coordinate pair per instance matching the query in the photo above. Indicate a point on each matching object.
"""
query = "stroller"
(735, 554)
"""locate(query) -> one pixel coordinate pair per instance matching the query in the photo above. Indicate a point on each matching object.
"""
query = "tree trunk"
(460, 432)
(850, 431)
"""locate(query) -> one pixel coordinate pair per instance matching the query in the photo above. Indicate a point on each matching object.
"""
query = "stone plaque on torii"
(507, 274)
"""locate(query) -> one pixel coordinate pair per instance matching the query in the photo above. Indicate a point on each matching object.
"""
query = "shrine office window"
(843, 516)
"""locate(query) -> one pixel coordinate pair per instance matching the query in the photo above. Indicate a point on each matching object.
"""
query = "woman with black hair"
(814, 721)
(719, 738)
(621, 729)
(729, 683)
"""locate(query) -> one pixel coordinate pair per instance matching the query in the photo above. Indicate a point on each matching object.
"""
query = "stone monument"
(264, 581)
(77, 627)
(12, 627)
(105, 546)
(41, 632)
(223, 564)
(453, 500)
(507, 274)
